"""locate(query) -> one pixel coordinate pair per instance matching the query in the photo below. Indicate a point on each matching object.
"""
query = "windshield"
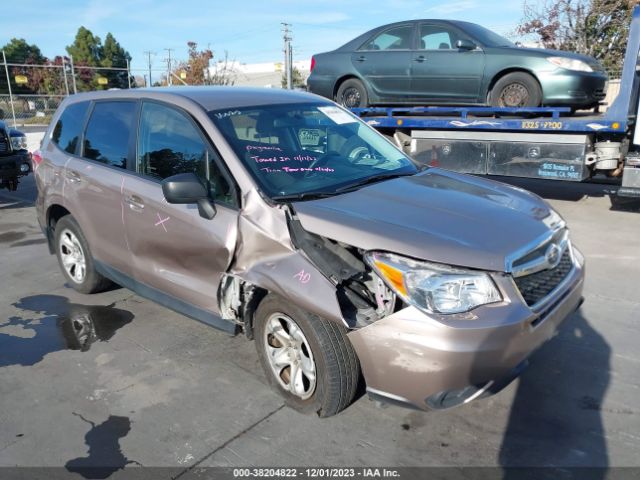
(486, 36)
(308, 149)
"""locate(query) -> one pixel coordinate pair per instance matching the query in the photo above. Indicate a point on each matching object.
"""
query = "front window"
(306, 150)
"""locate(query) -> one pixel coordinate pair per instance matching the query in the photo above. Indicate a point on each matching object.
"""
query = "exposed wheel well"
(55, 213)
(507, 71)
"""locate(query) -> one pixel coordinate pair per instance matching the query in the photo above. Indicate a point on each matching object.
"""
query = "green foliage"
(297, 79)
(19, 51)
(113, 55)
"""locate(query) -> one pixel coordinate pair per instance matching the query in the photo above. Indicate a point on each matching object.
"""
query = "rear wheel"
(517, 89)
(352, 94)
(308, 360)
(75, 257)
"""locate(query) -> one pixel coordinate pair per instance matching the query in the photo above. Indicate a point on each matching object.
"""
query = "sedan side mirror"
(186, 188)
(465, 44)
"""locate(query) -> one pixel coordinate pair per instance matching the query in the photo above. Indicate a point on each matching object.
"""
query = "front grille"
(4, 146)
(537, 286)
(8, 166)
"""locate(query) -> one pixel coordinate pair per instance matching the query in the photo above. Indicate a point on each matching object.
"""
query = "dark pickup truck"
(15, 160)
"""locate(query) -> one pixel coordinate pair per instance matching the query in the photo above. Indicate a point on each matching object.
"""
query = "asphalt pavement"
(115, 380)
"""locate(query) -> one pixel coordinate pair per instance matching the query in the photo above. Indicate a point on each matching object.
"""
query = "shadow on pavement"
(555, 420)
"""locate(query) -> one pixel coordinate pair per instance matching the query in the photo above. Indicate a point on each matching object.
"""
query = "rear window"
(67, 131)
(107, 137)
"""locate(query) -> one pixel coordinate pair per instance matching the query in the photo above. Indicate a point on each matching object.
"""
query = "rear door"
(441, 72)
(175, 251)
(93, 183)
(385, 62)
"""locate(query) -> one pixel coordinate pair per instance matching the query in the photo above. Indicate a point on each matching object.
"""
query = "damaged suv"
(280, 215)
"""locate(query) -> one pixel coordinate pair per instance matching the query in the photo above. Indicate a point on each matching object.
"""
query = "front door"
(443, 73)
(385, 63)
(176, 253)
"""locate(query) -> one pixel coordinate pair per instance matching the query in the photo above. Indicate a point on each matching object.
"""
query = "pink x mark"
(161, 221)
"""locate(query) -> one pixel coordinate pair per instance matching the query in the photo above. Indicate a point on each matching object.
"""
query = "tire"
(517, 89)
(352, 94)
(67, 237)
(326, 348)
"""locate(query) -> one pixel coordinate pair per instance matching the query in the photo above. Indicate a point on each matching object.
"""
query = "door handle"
(361, 58)
(420, 59)
(135, 203)
(72, 176)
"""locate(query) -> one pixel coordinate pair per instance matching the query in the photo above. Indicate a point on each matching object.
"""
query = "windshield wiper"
(303, 196)
(373, 179)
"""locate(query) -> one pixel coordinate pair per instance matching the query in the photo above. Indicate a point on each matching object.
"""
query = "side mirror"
(186, 188)
(465, 44)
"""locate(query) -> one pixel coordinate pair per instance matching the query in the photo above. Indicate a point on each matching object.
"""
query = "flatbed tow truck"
(543, 143)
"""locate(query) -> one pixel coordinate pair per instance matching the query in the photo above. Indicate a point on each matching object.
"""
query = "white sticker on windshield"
(337, 115)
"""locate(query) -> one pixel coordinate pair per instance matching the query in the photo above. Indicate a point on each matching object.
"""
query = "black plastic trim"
(166, 300)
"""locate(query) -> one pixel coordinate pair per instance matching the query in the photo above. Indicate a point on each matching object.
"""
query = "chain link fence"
(30, 93)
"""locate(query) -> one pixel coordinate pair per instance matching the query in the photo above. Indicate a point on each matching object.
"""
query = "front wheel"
(308, 360)
(517, 89)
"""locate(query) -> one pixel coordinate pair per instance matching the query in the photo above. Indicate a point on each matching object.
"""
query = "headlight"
(570, 64)
(432, 287)
(19, 143)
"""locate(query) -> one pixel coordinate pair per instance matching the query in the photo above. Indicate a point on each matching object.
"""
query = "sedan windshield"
(298, 151)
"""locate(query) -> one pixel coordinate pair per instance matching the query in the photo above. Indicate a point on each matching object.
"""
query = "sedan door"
(443, 73)
(178, 256)
(385, 63)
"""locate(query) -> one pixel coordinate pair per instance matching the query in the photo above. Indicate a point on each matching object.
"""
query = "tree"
(86, 51)
(599, 28)
(17, 50)
(197, 71)
(113, 55)
(297, 80)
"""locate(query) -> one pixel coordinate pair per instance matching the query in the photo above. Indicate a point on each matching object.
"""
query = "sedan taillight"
(313, 64)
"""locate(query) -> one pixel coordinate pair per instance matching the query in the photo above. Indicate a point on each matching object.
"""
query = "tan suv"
(283, 216)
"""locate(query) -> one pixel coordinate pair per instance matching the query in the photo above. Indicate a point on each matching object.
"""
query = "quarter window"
(106, 139)
(398, 38)
(169, 143)
(67, 131)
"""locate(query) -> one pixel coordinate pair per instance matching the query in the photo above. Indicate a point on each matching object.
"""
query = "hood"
(436, 215)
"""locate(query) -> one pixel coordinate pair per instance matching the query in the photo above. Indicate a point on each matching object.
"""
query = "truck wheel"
(308, 360)
(352, 94)
(75, 258)
(517, 89)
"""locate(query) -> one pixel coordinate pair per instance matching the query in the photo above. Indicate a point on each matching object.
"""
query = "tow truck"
(541, 142)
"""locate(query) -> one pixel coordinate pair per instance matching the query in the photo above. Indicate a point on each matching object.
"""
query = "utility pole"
(148, 53)
(73, 74)
(287, 54)
(168, 59)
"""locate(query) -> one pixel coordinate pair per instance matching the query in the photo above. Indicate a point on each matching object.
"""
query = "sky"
(249, 30)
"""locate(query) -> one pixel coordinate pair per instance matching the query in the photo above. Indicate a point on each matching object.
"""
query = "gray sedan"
(442, 62)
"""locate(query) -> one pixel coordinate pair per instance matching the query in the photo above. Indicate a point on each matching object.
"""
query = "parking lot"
(158, 389)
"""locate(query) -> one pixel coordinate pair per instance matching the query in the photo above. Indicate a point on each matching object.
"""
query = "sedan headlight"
(432, 287)
(19, 143)
(570, 64)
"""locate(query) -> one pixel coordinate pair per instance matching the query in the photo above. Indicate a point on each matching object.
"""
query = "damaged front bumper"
(410, 359)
